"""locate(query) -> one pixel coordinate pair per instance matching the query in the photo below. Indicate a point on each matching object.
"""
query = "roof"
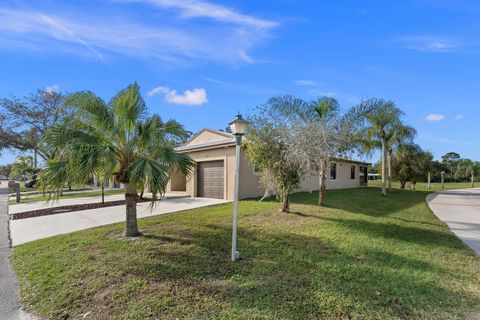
(222, 133)
(352, 161)
(230, 141)
(208, 145)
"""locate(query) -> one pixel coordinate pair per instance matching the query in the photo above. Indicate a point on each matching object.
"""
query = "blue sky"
(201, 62)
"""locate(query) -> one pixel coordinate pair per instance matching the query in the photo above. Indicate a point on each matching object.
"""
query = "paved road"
(460, 210)
(9, 305)
(30, 229)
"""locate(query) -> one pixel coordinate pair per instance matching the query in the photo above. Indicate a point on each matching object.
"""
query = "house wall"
(343, 180)
(249, 180)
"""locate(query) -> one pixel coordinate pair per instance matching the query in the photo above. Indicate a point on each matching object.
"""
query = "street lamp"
(238, 127)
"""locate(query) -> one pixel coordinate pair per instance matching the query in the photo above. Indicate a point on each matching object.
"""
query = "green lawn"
(67, 195)
(423, 186)
(363, 257)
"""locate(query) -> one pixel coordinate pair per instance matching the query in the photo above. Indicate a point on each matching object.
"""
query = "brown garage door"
(210, 179)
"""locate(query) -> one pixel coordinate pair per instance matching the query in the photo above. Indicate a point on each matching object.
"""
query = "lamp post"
(238, 127)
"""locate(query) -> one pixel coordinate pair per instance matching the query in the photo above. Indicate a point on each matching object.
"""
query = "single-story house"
(214, 153)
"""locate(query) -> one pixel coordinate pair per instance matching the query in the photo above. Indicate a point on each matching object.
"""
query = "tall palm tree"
(382, 117)
(118, 133)
(325, 109)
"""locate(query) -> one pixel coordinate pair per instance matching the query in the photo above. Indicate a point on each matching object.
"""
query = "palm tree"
(382, 118)
(325, 109)
(467, 168)
(120, 135)
(396, 135)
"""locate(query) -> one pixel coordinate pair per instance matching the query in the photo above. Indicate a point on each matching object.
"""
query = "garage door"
(210, 179)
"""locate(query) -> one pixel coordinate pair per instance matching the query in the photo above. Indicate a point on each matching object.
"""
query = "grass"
(422, 186)
(67, 195)
(364, 256)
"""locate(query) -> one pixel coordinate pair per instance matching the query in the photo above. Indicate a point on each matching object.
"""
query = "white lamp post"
(238, 127)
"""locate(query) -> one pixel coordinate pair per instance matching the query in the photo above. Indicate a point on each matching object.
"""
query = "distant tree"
(24, 122)
(376, 168)
(265, 146)
(22, 167)
(382, 117)
(121, 131)
(450, 162)
(466, 170)
(5, 170)
(437, 168)
(411, 163)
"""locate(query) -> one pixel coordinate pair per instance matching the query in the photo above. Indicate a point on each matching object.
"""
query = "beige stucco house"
(214, 153)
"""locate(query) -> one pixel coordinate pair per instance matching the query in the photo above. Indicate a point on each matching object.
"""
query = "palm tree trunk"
(103, 193)
(384, 168)
(429, 180)
(131, 227)
(390, 159)
(322, 187)
(473, 183)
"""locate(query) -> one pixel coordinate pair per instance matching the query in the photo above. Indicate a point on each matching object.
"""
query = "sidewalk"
(459, 210)
(30, 229)
(31, 206)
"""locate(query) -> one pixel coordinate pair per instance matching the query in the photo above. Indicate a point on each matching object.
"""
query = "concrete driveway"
(460, 210)
(30, 229)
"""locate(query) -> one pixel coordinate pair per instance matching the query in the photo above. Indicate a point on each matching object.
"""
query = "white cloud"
(429, 43)
(459, 117)
(204, 9)
(158, 90)
(305, 83)
(193, 97)
(226, 38)
(435, 117)
(52, 89)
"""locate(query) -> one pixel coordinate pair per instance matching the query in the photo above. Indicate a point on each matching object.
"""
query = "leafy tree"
(450, 162)
(5, 170)
(411, 163)
(24, 122)
(319, 132)
(265, 146)
(22, 167)
(121, 132)
(382, 118)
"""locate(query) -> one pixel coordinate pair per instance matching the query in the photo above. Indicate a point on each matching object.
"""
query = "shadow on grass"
(296, 276)
(371, 265)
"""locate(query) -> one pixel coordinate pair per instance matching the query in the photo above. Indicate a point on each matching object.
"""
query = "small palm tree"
(382, 118)
(397, 134)
(467, 168)
(117, 137)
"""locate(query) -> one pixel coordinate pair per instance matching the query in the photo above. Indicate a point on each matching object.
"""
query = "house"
(214, 153)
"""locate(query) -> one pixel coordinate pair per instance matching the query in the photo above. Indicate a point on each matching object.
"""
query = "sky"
(201, 62)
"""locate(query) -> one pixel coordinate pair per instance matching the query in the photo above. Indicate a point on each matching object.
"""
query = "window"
(256, 169)
(333, 171)
(352, 173)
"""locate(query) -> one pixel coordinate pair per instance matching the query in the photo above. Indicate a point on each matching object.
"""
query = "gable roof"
(221, 134)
